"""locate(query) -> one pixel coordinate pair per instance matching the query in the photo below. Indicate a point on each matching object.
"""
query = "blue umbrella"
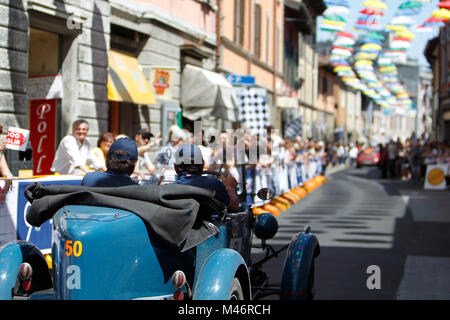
(371, 40)
(342, 3)
(369, 51)
(408, 11)
(340, 61)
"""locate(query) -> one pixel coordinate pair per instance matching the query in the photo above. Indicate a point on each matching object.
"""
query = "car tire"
(236, 292)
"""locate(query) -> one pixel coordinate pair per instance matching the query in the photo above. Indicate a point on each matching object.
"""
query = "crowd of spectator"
(262, 152)
(408, 160)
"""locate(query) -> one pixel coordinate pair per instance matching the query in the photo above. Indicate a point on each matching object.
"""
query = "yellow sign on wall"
(162, 81)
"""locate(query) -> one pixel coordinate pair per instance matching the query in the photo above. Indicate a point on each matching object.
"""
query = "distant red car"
(368, 157)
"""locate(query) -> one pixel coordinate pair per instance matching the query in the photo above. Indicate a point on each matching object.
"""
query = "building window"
(324, 85)
(44, 53)
(239, 16)
(257, 39)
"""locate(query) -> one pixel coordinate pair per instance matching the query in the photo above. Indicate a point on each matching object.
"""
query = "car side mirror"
(265, 194)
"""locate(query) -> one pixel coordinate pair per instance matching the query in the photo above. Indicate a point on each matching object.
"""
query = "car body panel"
(116, 256)
(304, 247)
(10, 261)
(216, 275)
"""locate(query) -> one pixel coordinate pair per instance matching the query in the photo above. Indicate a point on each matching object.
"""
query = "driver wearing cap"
(189, 165)
(120, 164)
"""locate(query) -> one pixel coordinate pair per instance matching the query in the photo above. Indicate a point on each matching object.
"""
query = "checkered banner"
(253, 108)
(294, 128)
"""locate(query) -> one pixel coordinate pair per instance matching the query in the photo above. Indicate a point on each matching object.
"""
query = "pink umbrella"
(435, 19)
(345, 34)
(372, 12)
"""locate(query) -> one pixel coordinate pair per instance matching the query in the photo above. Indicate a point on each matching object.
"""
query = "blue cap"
(127, 145)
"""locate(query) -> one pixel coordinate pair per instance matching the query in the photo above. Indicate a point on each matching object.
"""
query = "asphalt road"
(362, 221)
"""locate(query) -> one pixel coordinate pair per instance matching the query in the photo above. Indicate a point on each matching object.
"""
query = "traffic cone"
(299, 192)
(282, 200)
(290, 196)
(271, 209)
(258, 210)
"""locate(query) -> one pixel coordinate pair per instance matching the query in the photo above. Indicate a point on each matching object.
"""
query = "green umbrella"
(335, 18)
(374, 35)
(411, 4)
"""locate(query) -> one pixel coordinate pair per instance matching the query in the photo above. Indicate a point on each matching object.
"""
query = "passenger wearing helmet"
(189, 165)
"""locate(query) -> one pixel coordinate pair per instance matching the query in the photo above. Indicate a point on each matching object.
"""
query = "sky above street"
(418, 44)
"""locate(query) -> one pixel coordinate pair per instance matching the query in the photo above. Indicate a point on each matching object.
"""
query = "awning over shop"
(205, 93)
(126, 82)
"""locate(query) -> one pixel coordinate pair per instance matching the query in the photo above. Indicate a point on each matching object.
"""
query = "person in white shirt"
(73, 151)
(353, 154)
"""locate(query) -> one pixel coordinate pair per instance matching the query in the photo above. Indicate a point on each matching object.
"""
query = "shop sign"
(240, 79)
(42, 136)
(161, 80)
(17, 139)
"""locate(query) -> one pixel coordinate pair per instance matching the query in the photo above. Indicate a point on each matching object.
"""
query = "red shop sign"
(42, 134)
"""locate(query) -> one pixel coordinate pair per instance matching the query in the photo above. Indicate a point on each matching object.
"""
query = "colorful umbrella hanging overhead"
(374, 35)
(372, 11)
(336, 10)
(424, 29)
(403, 21)
(343, 3)
(375, 4)
(411, 4)
(441, 13)
(444, 4)
(438, 18)
(396, 28)
(345, 35)
(375, 73)
(333, 21)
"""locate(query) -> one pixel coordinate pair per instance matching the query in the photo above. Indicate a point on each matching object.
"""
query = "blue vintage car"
(113, 252)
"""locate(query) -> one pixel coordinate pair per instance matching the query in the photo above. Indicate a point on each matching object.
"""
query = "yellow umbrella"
(348, 79)
(363, 62)
(366, 56)
(376, 4)
(405, 34)
(387, 69)
(342, 68)
(371, 46)
(396, 28)
(442, 13)
(369, 92)
(333, 23)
